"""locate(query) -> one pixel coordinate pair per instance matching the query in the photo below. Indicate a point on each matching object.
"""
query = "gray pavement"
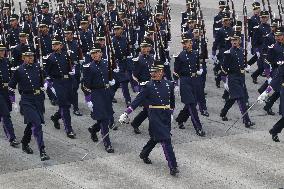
(241, 158)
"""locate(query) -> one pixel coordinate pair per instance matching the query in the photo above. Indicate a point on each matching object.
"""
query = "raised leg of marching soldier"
(138, 120)
(270, 102)
(27, 139)
(195, 120)
(104, 126)
(277, 128)
(9, 130)
(182, 117)
(259, 70)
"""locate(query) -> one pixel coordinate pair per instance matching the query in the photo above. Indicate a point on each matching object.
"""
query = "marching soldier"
(187, 68)
(159, 93)
(29, 77)
(217, 25)
(95, 77)
(72, 46)
(142, 17)
(258, 43)
(13, 33)
(5, 103)
(59, 71)
(234, 67)
(121, 56)
(276, 57)
(141, 74)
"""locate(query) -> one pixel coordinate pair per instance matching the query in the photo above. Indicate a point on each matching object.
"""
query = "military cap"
(27, 51)
(236, 35)
(222, 3)
(96, 48)
(131, 4)
(157, 66)
(196, 28)
(111, 2)
(225, 16)
(44, 5)
(185, 38)
(150, 28)
(2, 47)
(255, 5)
(189, 2)
(23, 33)
(144, 43)
(100, 36)
(68, 29)
(239, 24)
(118, 24)
(14, 17)
(56, 40)
(141, 1)
(121, 11)
(159, 9)
(43, 23)
(264, 14)
(85, 19)
(6, 6)
(80, 3)
(275, 22)
(160, 2)
(279, 31)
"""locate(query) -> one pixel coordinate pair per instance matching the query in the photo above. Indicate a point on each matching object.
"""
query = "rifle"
(167, 20)
(234, 13)
(280, 12)
(245, 33)
(269, 9)
(263, 4)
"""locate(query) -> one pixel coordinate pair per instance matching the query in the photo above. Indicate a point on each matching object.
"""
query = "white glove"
(262, 97)
(226, 86)
(70, 51)
(247, 69)
(199, 72)
(53, 90)
(257, 54)
(116, 70)
(214, 59)
(90, 105)
(82, 61)
(269, 80)
(124, 118)
(112, 82)
(15, 107)
(166, 63)
(45, 86)
(72, 72)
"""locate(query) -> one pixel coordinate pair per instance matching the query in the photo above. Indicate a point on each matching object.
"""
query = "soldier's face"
(264, 19)
(2, 53)
(56, 47)
(188, 45)
(96, 56)
(191, 24)
(256, 11)
(23, 39)
(157, 75)
(141, 5)
(235, 42)
(280, 38)
(226, 22)
(84, 25)
(28, 59)
(14, 23)
(102, 43)
(118, 31)
(144, 50)
(69, 36)
(45, 10)
(196, 34)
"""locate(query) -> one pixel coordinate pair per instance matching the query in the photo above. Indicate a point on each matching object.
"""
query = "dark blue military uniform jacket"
(5, 73)
(157, 93)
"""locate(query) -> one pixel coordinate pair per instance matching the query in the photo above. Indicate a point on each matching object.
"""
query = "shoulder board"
(135, 59)
(175, 55)
(144, 83)
(227, 52)
(217, 29)
(266, 35)
(271, 46)
(14, 68)
(255, 27)
(86, 65)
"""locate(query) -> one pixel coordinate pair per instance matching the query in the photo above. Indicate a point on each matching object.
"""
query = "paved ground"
(241, 158)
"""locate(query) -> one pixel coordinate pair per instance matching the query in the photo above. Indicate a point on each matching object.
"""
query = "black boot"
(27, 149)
(174, 171)
(43, 155)
(200, 132)
(275, 137)
(71, 135)
(14, 143)
(136, 129)
(77, 113)
(223, 115)
(55, 119)
(109, 149)
(249, 124)
(254, 79)
(93, 133)
(205, 113)
(146, 160)
(268, 111)
(181, 126)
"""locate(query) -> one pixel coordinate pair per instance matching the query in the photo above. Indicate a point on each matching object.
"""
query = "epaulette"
(227, 52)
(86, 65)
(144, 83)
(255, 27)
(135, 59)
(217, 29)
(175, 55)
(266, 35)
(271, 46)
(14, 68)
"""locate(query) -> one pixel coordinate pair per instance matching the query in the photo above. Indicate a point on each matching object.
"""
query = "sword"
(100, 142)
(242, 116)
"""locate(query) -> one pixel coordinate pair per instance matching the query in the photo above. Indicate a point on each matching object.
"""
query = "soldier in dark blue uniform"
(258, 43)
(276, 56)
(29, 77)
(86, 37)
(72, 46)
(187, 68)
(6, 16)
(59, 70)
(79, 15)
(12, 36)
(45, 15)
(5, 103)
(217, 25)
(141, 74)
(159, 94)
(96, 79)
(234, 67)
(142, 17)
(120, 48)
(221, 43)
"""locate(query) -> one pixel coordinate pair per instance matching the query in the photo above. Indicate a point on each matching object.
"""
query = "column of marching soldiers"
(58, 47)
